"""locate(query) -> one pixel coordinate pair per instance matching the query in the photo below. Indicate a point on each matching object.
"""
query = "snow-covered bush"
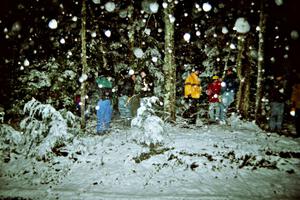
(10, 139)
(149, 127)
(44, 128)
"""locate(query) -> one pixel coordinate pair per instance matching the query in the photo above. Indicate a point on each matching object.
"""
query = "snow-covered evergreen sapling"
(149, 127)
(44, 127)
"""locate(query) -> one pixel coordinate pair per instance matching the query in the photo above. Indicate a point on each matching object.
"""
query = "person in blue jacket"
(104, 111)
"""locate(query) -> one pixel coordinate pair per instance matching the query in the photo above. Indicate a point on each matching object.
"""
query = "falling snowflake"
(206, 7)
(110, 6)
(187, 37)
(93, 34)
(62, 41)
(154, 7)
(224, 30)
(96, 1)
(26, 63)
(154, 59)
(138, 52)
(107, 33)
(241, 25)
(279, 2)
(52, 24)
(294, 35)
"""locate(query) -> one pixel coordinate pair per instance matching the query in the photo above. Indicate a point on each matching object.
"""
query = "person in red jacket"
(213, 92)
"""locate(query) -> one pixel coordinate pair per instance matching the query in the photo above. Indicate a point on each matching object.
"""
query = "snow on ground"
(208, 162)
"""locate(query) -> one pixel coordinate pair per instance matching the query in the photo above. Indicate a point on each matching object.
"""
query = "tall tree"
(169, 64)
(83, 62)
(260, 64)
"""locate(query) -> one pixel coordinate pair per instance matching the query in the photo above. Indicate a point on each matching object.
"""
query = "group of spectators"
(133, 86)
(221, 94)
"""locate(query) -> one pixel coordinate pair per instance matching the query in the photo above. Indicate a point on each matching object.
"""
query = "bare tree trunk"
(240, 74)
(260, 64)
(83, 62)
(169, 66)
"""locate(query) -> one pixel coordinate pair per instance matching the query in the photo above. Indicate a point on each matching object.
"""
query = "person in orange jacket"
(295, 111)
(192, 93)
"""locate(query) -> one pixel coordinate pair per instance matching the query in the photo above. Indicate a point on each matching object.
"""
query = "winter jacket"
(231, 83)
(213, 91)
(296, 96)
(192, 86)
(126, 87)
(277, 92)
(144, 86)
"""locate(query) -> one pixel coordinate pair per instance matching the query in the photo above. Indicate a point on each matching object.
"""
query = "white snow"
(154, 7)
(241, 25)
(52, 24)
(96, 1)
(279, 2)
(224, 30)
(107, 33)
(138, 52)
(208, 162)
(187, 37)
(294, 35)
(206, 7)
(26, 63)
(110, 6)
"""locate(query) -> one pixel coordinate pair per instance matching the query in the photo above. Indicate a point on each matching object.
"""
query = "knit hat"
(215, 77)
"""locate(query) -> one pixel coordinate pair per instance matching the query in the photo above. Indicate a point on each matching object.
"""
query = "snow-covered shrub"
(10, 139)
(44, 127)
(149, 127)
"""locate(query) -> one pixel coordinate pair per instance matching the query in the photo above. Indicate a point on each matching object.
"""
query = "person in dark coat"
(228, 91)
(295, 110)
(125, 92)
(277, 97)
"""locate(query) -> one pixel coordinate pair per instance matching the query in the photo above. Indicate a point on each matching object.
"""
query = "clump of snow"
(206, 7)
(26, 63)
(241, 25)
(96, 1)
(154, 7)
(83, 78)
(110, 6)
(279, 2)
(138, 52)
(150, 127)
(16, 27)
(52, 24)
(187, 37)
(107, 33)
(294, 35)
(224, 30)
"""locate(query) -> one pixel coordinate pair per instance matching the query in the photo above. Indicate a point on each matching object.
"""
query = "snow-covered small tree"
(45, 127)
(148, 127)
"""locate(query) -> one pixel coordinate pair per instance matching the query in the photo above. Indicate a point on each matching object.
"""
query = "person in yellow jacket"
(192, 93)
(295, 111)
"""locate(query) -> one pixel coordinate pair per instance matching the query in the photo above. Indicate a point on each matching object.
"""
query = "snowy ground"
(208, 162)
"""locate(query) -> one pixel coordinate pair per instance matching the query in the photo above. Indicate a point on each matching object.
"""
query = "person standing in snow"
(213, 92)
(104, 111)
(143, 87)
(192, 93)
(125, 91)
(277, 97)
(295, 111)
(228, 90)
